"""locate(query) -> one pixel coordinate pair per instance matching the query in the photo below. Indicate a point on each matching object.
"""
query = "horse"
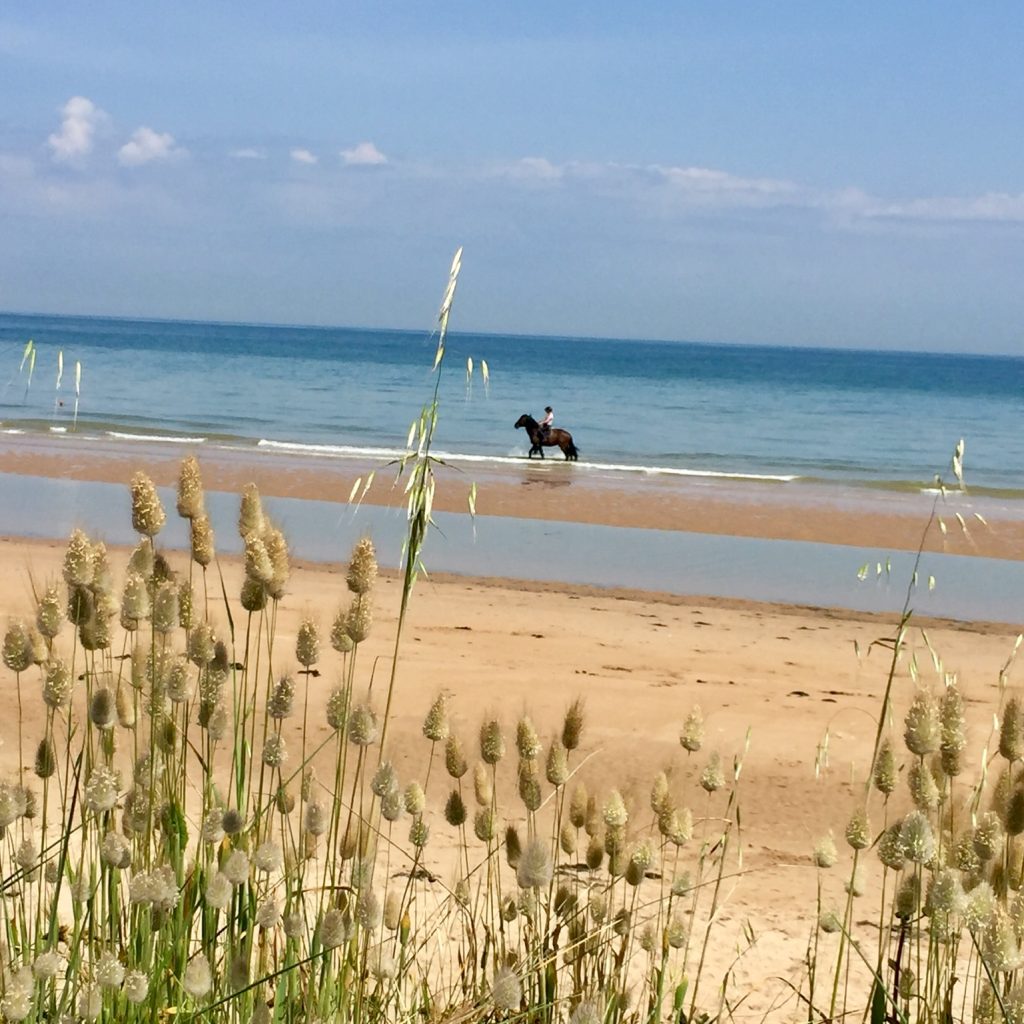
(539, 441)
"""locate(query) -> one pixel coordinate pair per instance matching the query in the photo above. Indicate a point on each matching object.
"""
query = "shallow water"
(674, 562)
(878, 419)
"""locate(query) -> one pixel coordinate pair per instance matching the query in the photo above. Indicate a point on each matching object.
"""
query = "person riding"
(545, 424)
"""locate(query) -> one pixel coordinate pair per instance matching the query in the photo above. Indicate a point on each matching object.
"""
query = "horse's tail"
(571, 451)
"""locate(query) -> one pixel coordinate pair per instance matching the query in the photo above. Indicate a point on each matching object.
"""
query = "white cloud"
(146, 146)
(303, 156)
(80, 119)
(248, 153)
(992, 206)
(365, 154)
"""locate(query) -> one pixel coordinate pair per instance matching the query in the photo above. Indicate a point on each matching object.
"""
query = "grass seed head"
(102, 710)
(250, 513)
(268, 914)
(46, 758)
(257, 562)
(148, 516)
(954, 730)
(1011, 730)
(78, 560)
(340, 640)
(49, 613)
(190, 489)
(435, 725)
(362, 567)
(578, 805)
(385, 778)
(233, 822)
(1015, 812)
(362, 726)
(858, 829)
(281, 703)
(567, 839)
(713, 777)
(692, 736)
(415, 799)
(529, 785)
(280, 560)
(455, 762)
(917, 838)
(337, 709)
(527, 741)
(201, 645)
(359, 620)
(419, 833)
(595, 853)
(455, 809)
(988, 836)
(535, 869)
(275, 751)
(254, 595)
(165, 608)
(197, 980)
(482, 789)
(556, 768)
(513, 846)
(57, 684)
(391, 806)
(890, 847)
(492, 742)
(483, 824)
(883, 775)
(572, 725)
(202, 541)
(236, 867)
(924, 790)
(615, 814)
(908, 898)
(102, 789)
(922, 730)
(316, 818)
(506, 991)
(18, 652)
(307, 643)
(825, 852)
(661, 798)
(81, 605)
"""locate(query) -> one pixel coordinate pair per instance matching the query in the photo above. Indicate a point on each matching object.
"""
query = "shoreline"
(557, 492)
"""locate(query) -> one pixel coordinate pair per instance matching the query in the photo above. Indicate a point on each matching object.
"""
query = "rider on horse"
(545, 424)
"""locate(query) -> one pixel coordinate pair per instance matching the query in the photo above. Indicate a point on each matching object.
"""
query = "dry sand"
(792, 677)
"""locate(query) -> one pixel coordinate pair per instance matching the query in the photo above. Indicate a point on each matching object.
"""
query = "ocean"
(863, 419)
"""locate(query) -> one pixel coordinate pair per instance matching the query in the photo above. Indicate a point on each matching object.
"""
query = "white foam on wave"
(336, 450)
(11, 430)
(58, 430)
(352, 451)
(155, 438)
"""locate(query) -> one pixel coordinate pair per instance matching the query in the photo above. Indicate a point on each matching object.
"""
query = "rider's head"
(547, 408)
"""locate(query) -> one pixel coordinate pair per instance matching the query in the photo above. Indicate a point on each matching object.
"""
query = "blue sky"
(792, 173)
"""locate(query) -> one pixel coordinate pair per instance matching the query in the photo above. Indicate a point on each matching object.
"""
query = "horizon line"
(282, 325)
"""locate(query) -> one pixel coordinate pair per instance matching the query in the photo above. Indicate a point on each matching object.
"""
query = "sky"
(801, 173)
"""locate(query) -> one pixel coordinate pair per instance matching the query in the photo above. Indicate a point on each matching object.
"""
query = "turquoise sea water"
(862, 419)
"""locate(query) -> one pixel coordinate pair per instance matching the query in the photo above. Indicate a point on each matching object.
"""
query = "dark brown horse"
(554, 437)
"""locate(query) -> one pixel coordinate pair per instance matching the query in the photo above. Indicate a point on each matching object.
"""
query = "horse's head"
(524, 421)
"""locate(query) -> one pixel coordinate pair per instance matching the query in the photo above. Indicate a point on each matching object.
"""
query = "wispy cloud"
(304, 156)
(992, 206)
(365, 154)
(80, 119)
(146, 145)
(248, 153)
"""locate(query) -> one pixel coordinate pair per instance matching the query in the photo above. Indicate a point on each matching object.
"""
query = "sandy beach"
(797, 689)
